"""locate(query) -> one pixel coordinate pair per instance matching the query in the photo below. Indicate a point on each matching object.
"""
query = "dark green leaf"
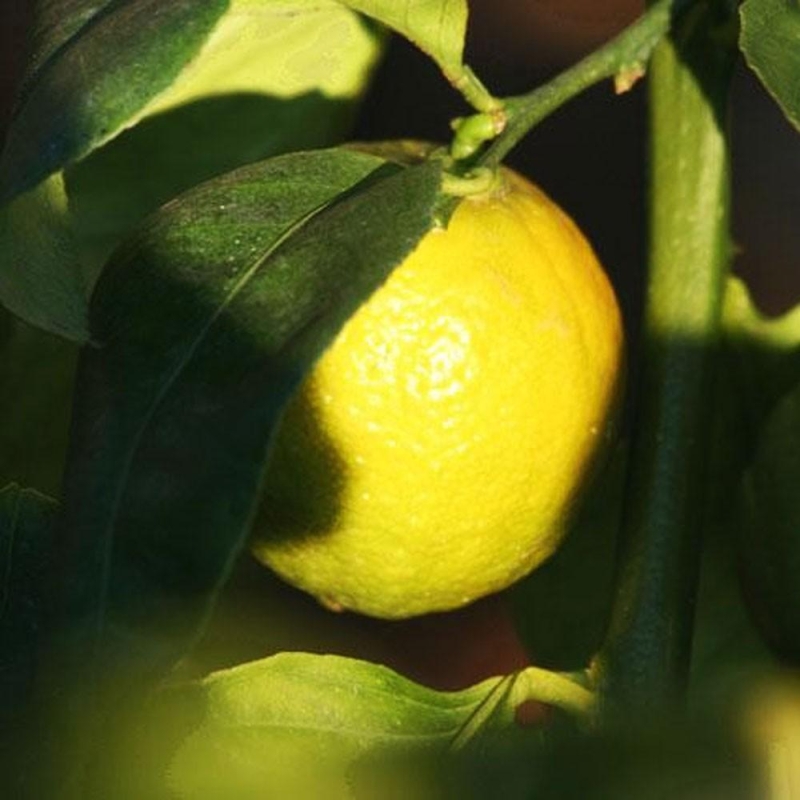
(208, 86)
(26, 548)
(260, 87)
(302, 725)
(770, 37)
(56, 22)
(761, 366)
(40, 276)
(203, 326)
(727, 651)
(97, 80)
(562, 608)
(771, 528)
(36, 377)
(646, 758)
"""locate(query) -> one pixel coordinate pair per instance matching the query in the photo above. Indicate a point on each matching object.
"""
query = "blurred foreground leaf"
(302, 725)
(299, 725)
(647, 758)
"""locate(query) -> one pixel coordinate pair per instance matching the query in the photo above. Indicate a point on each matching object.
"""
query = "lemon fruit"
(434, 452)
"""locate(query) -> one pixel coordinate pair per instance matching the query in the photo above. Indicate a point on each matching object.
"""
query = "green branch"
(623, 58)
(645, 660)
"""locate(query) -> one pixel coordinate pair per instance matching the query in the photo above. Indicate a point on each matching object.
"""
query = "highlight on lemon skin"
(434, 453)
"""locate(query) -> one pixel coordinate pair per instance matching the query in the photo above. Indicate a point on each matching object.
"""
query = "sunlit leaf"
(437, 27)
(303, 725)
(122, 62)
(213, 85)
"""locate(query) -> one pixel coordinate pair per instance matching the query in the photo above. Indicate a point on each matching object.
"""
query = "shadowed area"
(111, 190)
(302, 490)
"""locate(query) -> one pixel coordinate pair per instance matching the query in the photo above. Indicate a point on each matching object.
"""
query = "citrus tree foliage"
(171, 201)
(124, 105)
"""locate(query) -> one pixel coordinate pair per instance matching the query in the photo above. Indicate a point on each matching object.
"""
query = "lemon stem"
(562, 690)
(623, 58)
(645, 660)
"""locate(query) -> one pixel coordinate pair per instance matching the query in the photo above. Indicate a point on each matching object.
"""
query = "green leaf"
(122, 62)
(96, 81)
(202, 328)
(771, 528)
(56, 22)
(770, 40)
(562, 608)
(36, 382)
(110, 193)
(303, 725)
(728, 652)
(26, 554)
(439, 29)
(40, 277)
(760, 372)
(139, 101)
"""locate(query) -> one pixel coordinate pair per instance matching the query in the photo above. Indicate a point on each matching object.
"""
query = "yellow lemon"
(434, 452)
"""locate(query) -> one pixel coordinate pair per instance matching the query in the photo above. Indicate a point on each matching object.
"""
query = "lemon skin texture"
(435, 451)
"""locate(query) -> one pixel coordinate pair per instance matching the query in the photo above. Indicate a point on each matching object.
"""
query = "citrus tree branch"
(646, 656)
(623, 58)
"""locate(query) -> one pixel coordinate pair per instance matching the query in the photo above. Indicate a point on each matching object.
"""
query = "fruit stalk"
(645, 660)
(623, 58)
